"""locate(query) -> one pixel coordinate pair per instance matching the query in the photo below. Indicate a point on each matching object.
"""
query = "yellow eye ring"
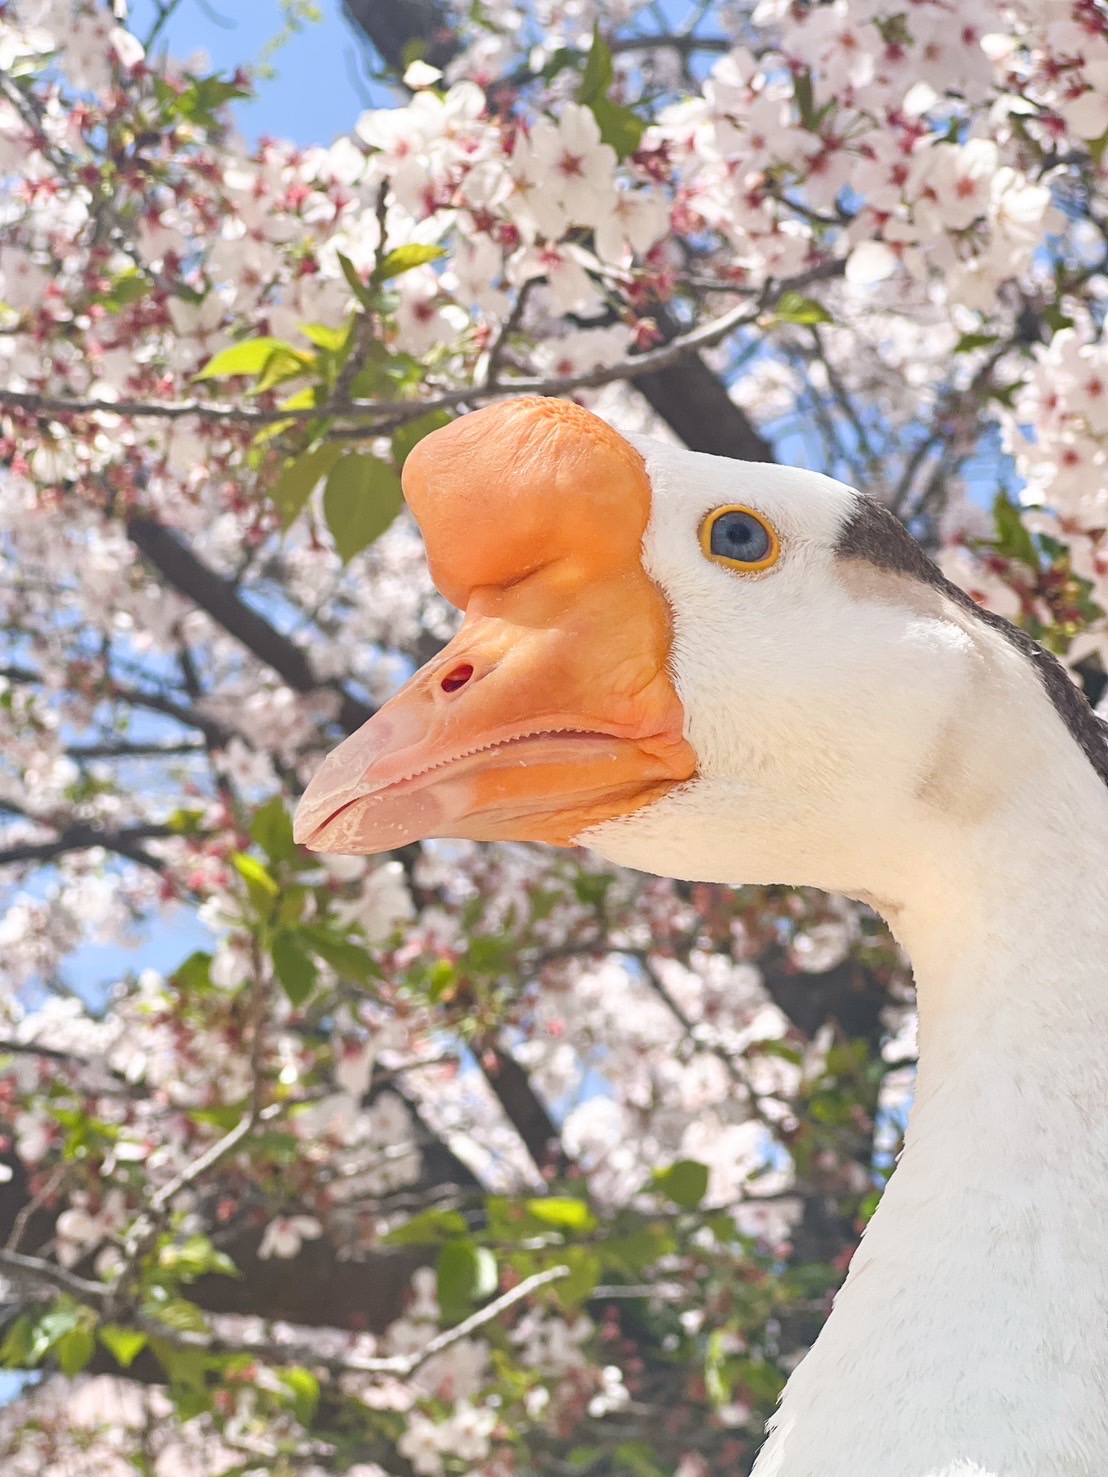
(739, 538)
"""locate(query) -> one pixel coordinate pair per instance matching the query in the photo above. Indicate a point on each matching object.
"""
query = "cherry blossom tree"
(470, 1159)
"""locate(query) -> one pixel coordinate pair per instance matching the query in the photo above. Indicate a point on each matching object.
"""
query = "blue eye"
(740, 538)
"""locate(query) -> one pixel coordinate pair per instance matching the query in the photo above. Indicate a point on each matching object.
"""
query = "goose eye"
(739, 538)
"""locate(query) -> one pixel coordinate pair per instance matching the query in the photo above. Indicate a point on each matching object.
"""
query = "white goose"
(744, 673)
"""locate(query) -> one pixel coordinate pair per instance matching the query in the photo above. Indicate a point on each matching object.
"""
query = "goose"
(745, 673)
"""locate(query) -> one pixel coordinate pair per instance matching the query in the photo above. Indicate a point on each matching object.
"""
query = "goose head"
(716, 670)
(744, 673)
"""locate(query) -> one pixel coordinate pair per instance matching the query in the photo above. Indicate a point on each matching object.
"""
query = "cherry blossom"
(285, 1235)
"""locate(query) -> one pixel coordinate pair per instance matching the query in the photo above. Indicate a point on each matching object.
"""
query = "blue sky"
(321, 82)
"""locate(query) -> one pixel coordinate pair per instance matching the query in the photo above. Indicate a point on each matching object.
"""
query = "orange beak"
(552, 709)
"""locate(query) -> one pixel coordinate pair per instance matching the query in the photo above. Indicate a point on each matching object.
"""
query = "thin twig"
(121, 749)
(488, 373)
(211, 1156)
(36, 1202)
(671, 42)
(33, 1271)
(389, 414)
(143, 1235)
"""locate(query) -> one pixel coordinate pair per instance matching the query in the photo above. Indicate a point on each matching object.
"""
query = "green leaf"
(179, 1314)
(260, 886)
(637, 1458)
(430, 1228)
(294, 968)
(125, 289)
(685, 1183)
(1014, 540)
(185, 822)
(584, 1273)
(361, 291)
(306, 399)
(16, 1350)
(249, 357)
(223, 1116)
(761, 1380)
(349, 961)
(271, 828)
(634, 1252)
(793, 307)
(1056, 319)
(271, 432)
(361, 499)
(562, 1211)
(196, 1257)
(441, 981)
(489, 953)
(75, 1348)
(62, 1319)
(970, 341)
(783, 1049)
(805, 100)
(185, 1367)
(298, 478)
(620, 127)
(404, 438)
(325, 336)
(304, 1389)
(404, 258)
(599, 71)
(466, 1274)
(124, 1344)
(1006, 394)
(291, 908)
(199, 102)
(194, 975)
(280, 367)
(66, 1329)
(386, 375)
(716, 1380)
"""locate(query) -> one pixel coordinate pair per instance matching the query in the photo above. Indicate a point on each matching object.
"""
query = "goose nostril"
(457, 678)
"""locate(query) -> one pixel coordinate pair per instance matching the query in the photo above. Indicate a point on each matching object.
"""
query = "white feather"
(856, 730)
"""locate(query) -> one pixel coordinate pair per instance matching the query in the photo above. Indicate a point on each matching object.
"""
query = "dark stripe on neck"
(876, 534)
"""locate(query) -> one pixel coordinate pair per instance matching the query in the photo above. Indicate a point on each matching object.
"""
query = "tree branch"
(82, 837)
(661, 40)
(218, 734)
(35, 1272)
(387, 415)
(400, 1366)
(193, 578)
(393, 26)
(525, 1112)
(144, 1233)
(121, 749)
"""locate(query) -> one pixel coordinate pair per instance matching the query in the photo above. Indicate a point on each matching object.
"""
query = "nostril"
(457, 678)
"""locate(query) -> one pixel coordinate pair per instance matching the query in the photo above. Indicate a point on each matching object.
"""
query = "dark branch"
(396, 27)
(527, 1114)
(193, 578)
(82, 837)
